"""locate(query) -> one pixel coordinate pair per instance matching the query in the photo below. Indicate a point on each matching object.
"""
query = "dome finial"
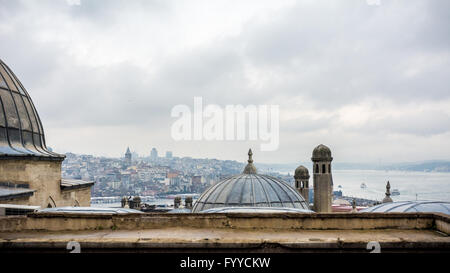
(250, 168)
(354, 206)
(387, 198)
(250, 154)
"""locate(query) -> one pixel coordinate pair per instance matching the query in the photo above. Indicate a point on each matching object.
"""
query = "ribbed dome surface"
(21, 132)
(411, 206)
(250, 190)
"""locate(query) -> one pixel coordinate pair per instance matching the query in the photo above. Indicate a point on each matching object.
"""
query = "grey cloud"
(105, 13)
(420, 123)
(307, 124)
(116, 95)
(215, 73)
(331, 55)
(10, 8)
(344, 54)
(434, 31)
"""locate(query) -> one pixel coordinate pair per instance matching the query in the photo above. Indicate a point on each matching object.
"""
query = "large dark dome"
(251, 190)
(21, 131)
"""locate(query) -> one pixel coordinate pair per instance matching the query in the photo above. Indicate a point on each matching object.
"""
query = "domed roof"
(21, 131)
(301, 172)
(251, 190)
(321, 152)
(256, 210)
(411, 206)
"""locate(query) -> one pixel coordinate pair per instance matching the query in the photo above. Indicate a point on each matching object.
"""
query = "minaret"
(128, 157)
(302, 182)
(323, 180)
(387, 198)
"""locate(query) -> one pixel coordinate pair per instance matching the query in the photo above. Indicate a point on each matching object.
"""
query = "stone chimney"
(188, 202)
(177, 202)
(301, 177)
(323, 180)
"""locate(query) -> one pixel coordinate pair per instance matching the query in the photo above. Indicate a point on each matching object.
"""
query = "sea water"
(412, 185)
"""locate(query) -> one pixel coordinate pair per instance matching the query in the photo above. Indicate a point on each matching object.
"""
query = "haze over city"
(370, 81)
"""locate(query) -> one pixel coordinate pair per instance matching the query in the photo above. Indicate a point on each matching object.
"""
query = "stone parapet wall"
(289, 221)
(442, 223)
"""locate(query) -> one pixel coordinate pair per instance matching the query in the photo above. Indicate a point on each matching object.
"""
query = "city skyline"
(369, 81)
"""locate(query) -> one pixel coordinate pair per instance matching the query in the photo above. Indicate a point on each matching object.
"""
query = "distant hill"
(424, 166)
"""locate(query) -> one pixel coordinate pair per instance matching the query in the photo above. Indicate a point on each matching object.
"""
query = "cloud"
(73, 2)
(344, 73)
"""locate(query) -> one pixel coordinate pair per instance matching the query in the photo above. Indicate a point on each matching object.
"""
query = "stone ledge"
(288, 221)
(219, 240)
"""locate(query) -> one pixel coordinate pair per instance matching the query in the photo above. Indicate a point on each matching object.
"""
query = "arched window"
(317, 168)
(323, 168)
(51, 203)
(329, 168)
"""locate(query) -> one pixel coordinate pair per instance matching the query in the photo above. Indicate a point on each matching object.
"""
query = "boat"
(363, 185)
(395, 192)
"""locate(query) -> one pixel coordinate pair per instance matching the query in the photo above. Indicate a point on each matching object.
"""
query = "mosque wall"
(44, 176)
(76, 197)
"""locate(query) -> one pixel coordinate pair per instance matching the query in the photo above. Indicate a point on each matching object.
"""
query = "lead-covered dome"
(411, 206)
(250, 190)
(321, 153)
(21, 131)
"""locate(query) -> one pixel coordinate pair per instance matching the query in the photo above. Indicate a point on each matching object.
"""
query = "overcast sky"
(369, 81)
